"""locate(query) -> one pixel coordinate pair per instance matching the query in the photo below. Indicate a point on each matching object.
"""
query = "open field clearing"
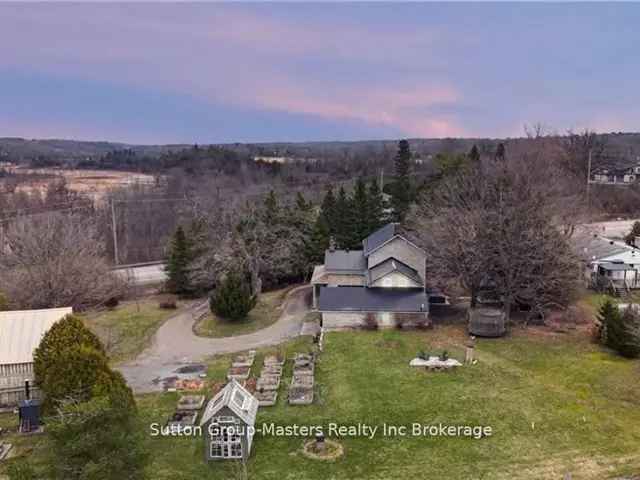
(127, 329)
(92, 183)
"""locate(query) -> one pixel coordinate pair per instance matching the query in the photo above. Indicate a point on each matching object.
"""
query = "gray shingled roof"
(345, 261)
(616, 266)
(363, 299)
(590, 246)
(393, 265)
(379, 237)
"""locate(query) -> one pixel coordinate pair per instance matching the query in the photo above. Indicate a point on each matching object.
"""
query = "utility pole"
(115, 233)
(589, 184)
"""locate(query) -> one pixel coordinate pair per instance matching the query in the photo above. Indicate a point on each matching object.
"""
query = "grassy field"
(556, 403)
(127, 329)
(267, 310)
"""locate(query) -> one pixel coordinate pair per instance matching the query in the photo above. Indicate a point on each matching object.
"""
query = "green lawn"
(556, 403)
(266, 312)
(127, 329)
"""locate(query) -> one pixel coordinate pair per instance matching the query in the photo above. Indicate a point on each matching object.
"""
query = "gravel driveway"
(175, 345)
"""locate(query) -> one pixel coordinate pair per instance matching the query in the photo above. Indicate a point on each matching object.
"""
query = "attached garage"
(353, 307)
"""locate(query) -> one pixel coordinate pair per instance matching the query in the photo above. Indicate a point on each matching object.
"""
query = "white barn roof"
(22, 330)
(235, 397)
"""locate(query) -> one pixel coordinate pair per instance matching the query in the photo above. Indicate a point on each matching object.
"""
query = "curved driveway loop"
(175, 345)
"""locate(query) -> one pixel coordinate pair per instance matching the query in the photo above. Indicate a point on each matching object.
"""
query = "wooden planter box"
(268, 382)
(238, 373)
(302, 381)
(300, 396)
(183, 419)
(266, 398)
(191, 402)
(273, 360)
(271, 370)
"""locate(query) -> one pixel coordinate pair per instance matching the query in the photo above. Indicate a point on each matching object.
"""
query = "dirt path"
(175, 345)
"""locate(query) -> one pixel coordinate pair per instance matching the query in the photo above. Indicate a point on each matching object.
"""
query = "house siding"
(12, 378)
(348, 320)
(335, 279)
(395, 280)
(402, 250)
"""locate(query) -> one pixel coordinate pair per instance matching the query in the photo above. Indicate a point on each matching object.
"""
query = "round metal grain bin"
(486, 322)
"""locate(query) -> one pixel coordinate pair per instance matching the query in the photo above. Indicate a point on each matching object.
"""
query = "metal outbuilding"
(20, 334)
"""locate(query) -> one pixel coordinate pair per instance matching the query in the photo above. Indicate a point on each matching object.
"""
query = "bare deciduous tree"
(500, 224)
(53, 260)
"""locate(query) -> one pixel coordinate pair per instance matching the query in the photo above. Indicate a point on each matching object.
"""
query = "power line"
(48, 212)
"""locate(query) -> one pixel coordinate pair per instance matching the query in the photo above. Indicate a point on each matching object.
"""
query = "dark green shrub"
(67, 333)
(112, 303)
(4, 302)
(620, 331)
(232, 299)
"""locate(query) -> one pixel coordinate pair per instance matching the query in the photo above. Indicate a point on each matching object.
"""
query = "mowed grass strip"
(127, 329)
(557, 404)
(266, 312)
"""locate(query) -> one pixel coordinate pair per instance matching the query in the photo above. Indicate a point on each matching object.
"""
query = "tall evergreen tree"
(328, 211)
(630, 238)
(97, 439)
(360, 210)
(52, 353)
(318, 242)
(620, 331)
(177, 268)
(375, 207)
(301, 202)
(402, 188)
(474, 154)
(271, 210)
(402, 161)
(94, 433)
(345, 235)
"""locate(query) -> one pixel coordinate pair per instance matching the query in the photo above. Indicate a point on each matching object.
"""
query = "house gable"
(232, 398)
(395, 279)
(401, 249)
(392, 273)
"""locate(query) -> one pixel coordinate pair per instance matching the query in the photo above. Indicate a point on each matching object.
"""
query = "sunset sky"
(208, 73)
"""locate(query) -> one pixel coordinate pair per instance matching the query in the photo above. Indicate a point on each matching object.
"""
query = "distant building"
(228, 423)
(610, 265)
(20, 334)
(613, 175)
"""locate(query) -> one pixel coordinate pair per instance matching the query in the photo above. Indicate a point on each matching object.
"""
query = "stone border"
(339, 452)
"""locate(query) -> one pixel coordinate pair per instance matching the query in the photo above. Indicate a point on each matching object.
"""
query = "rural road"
(614, 229)
(142, 274)
(175, 345)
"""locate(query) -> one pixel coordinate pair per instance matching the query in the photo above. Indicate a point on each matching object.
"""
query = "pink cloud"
(232, 56)
(399, 109)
